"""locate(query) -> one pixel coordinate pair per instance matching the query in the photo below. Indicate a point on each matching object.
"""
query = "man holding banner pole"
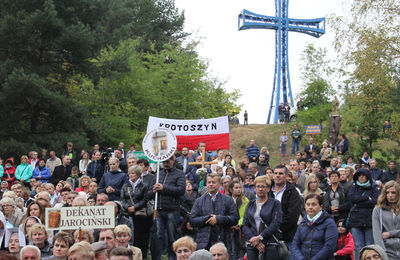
(170, 188)
(169, 185)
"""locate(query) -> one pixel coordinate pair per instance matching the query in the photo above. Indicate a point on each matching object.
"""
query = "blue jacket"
(315, 241)
(271, 214)
(225, 210)
(44, 173)
(115, 179)
(363, 201)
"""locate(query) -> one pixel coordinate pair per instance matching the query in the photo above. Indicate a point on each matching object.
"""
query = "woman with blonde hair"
(386, 220)
(123, 235)
(23, 173)
(312, 186)
(184, 247)
(261, 221)
(38, 237)
(84, 183)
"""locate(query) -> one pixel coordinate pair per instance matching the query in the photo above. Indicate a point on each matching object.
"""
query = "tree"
(368, 43)
(171, 83)
(45, 44)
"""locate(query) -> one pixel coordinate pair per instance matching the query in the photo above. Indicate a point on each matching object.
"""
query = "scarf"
(364, 185)
(313, 219)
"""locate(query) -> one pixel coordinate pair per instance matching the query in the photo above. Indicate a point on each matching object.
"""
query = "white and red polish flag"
(214, 132)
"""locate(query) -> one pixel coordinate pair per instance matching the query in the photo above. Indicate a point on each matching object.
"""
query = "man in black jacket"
(95, 169)
(61, 172)
(290, 200)
(170, 188)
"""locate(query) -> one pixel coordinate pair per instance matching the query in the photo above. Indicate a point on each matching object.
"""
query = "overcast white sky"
(245, 59)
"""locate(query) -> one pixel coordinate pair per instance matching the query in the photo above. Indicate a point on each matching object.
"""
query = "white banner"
(180, 127)
(91, 217)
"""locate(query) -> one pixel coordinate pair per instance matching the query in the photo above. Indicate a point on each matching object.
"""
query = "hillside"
(264, 135)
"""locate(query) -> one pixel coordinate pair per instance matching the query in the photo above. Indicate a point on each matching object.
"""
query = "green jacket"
(24, 171)
(242, 210)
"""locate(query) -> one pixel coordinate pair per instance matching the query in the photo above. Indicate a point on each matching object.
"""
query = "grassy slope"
(264, 135)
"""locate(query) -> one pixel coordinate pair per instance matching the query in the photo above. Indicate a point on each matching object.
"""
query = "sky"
(245, 59)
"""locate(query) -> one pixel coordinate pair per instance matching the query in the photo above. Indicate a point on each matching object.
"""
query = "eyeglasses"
(261, 187)
(249, 178)
(7, 206)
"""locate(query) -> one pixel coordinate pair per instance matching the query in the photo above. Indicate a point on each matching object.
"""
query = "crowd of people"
(322, 205)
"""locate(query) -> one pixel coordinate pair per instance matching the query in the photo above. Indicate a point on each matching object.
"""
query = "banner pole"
(157, 180)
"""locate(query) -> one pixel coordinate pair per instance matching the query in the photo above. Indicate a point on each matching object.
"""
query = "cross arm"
(250, 20)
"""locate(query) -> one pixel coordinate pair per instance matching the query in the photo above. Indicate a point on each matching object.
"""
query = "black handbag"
(283, 250)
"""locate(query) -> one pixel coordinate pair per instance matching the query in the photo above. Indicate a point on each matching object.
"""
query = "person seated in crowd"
(16, 242)
(83, 235)
(80, 251)
(30, 253)
(41, 172)
(107, 235)
(184, 247)
(62, 241)
(123, 235)
(121, 253)
(61, 172)
(38, 237)
(345, 244)
(83, 163)
(73, 180)
(84, 183)
(11, 214)
(80, 201)
(9, 172)
(92, 200)
(219, 252)
(23, 173)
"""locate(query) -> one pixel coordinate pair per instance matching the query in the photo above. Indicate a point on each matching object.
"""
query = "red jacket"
(10, 172)
(345, 245)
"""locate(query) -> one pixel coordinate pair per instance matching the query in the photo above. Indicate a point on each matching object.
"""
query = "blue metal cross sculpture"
(282, 25)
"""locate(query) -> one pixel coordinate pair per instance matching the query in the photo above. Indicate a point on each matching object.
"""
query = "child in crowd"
(345, 245)
(74, 178)
(283, 140)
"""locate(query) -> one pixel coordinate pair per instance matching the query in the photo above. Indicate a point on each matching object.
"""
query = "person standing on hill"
(296, 139)
(246, 118)
(252, 151)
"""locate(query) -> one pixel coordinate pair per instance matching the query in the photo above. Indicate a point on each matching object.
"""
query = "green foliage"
(368, 41)
(64, 76)
(316, 93)
(171, 83)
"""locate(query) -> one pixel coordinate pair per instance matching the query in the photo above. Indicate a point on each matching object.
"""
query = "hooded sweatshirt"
(377, 249)
(9, 173)
(384, 220)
